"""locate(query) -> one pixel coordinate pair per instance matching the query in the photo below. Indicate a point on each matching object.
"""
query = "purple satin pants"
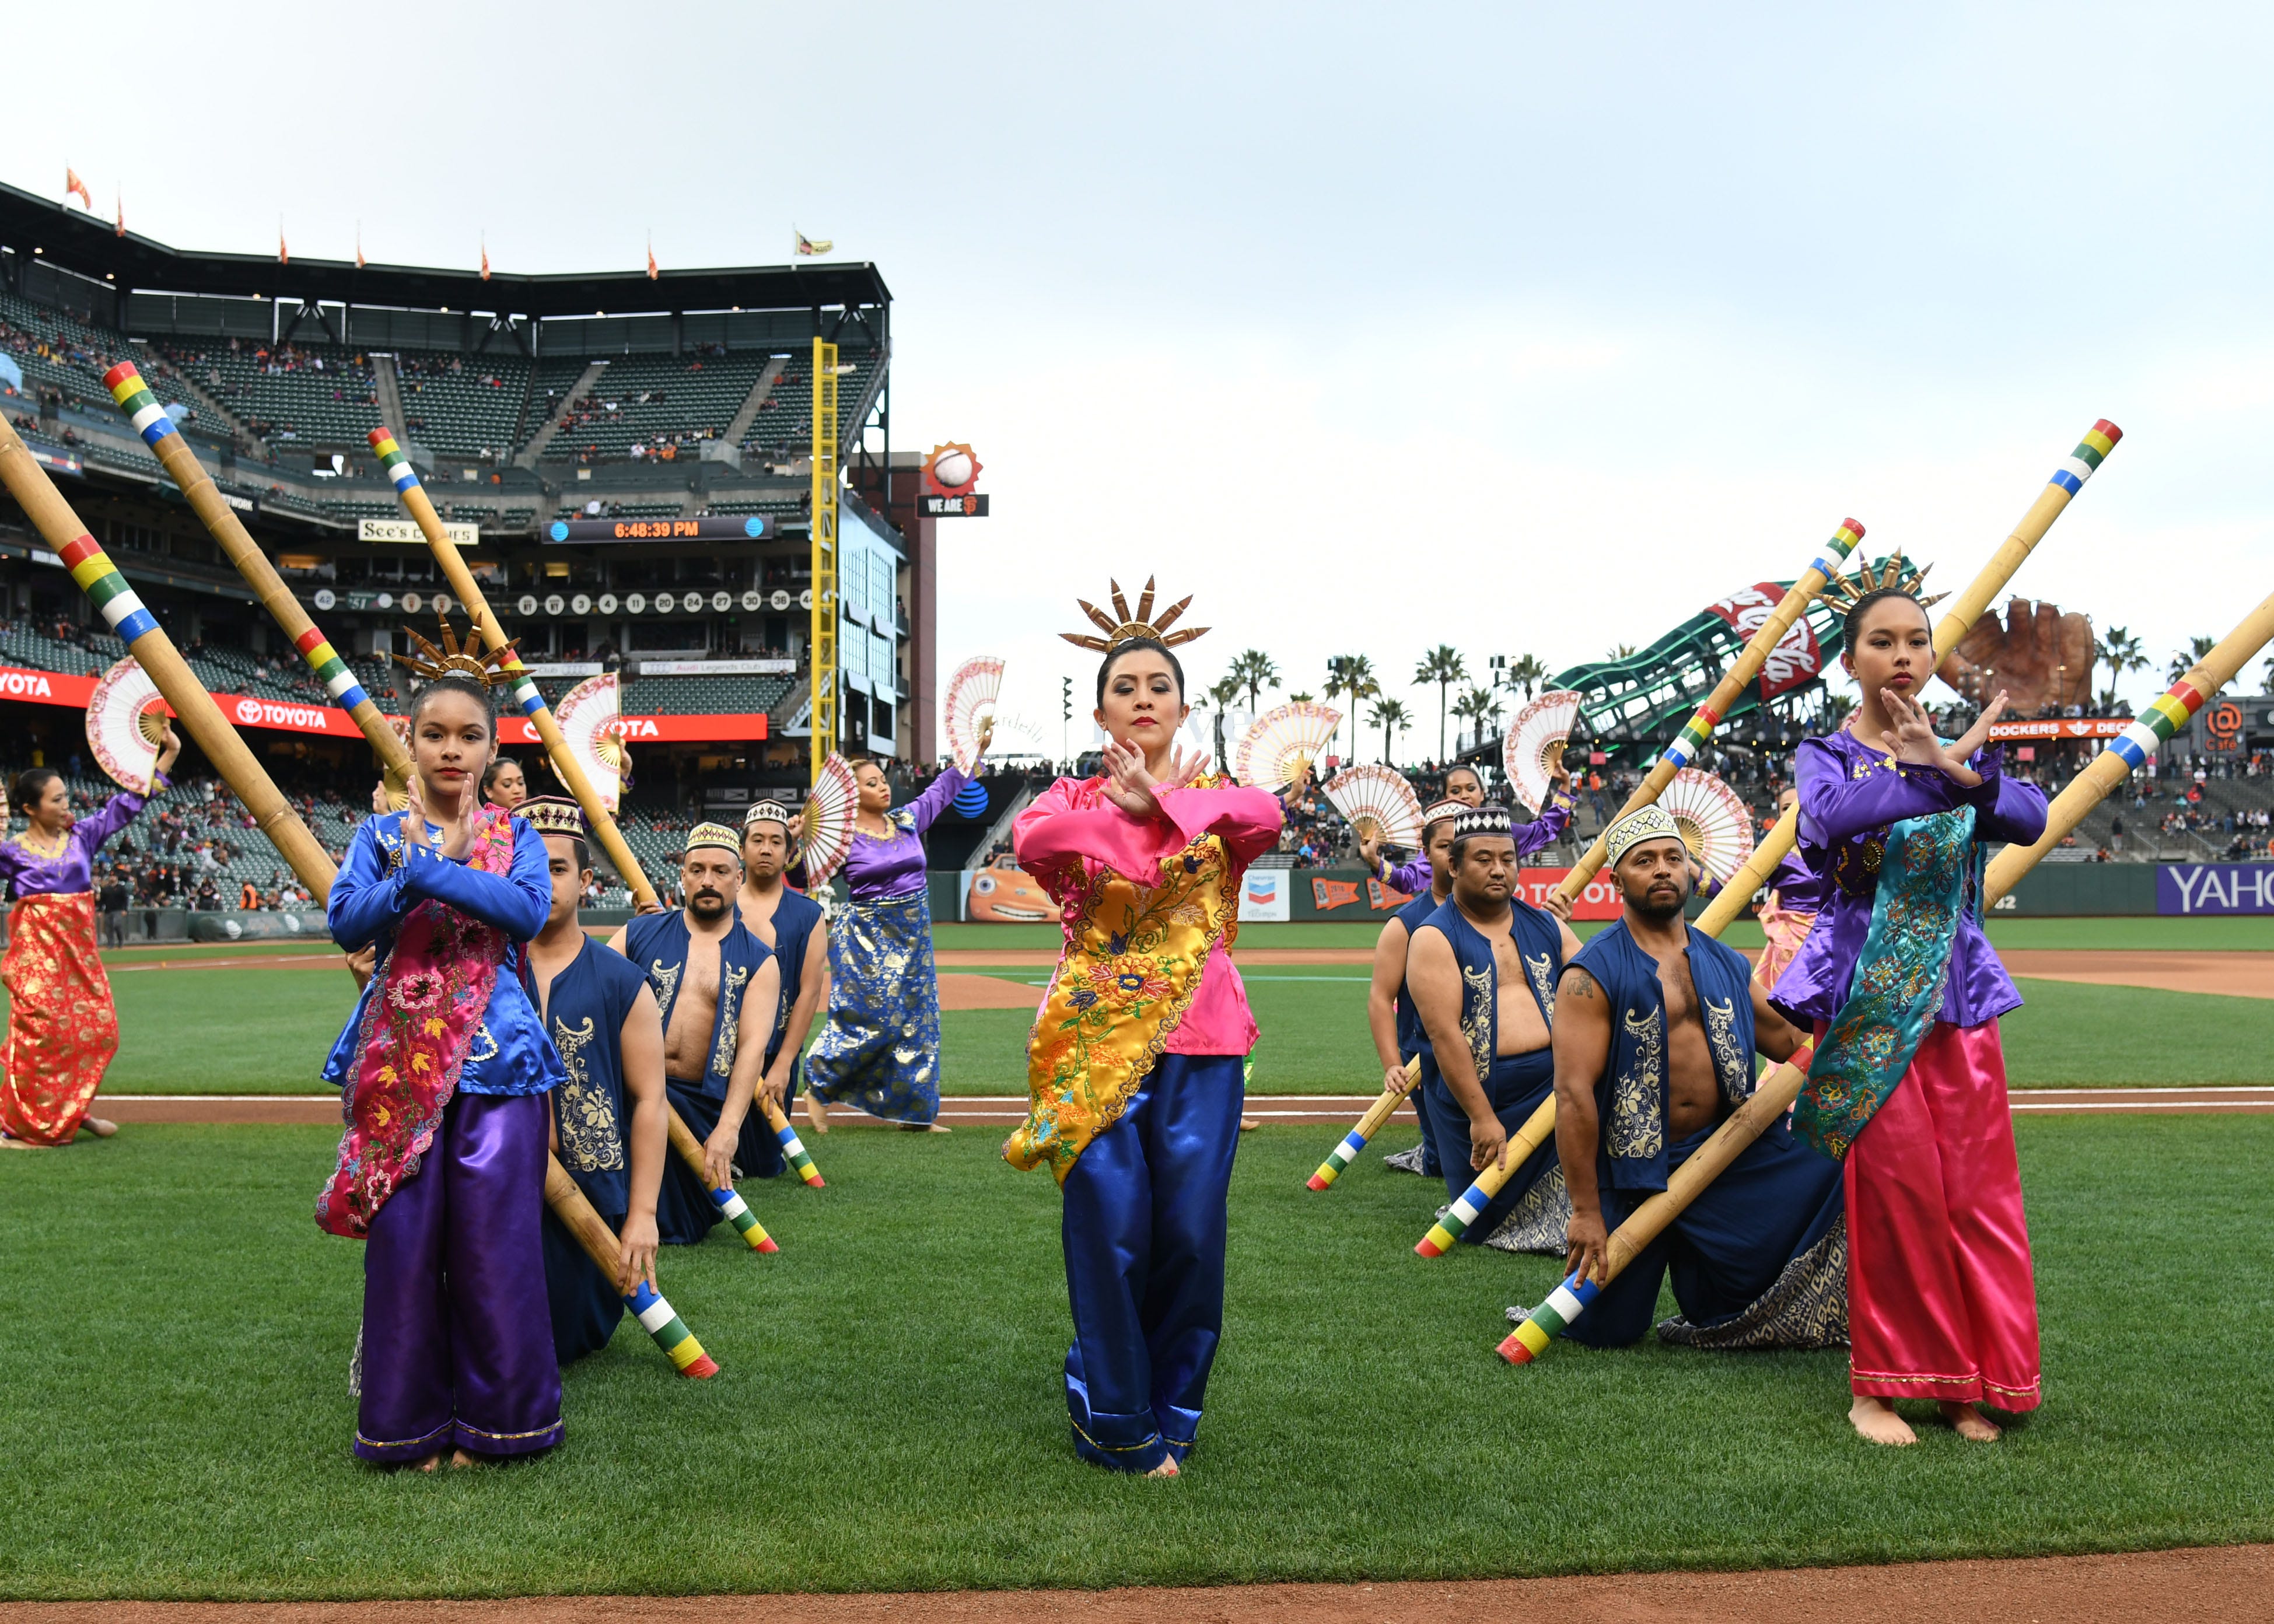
(457, 1336)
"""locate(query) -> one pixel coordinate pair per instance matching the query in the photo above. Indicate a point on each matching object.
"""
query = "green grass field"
(2235, 933)
(268, 1031)
(174, 1335)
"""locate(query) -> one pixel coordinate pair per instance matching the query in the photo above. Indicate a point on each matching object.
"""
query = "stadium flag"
(360, 260)
(808, 245)
(284, 254)
(653, 271)
(74, 187)
(121, 200)
(485, 257)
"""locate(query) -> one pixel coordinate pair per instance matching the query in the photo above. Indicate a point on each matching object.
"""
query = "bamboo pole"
(655, 1316)
(98, 578)
(1956, 621)
(206, 500)
(597, 816)
(1726, 693)
(1369, 1124)
(1778, 1092)
(731, 1204)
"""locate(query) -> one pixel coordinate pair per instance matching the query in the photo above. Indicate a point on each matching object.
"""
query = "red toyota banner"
(1599, 900)
(54, 687)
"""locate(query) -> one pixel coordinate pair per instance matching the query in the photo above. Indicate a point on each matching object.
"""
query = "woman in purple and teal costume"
(880, 1050)
(62, 1027)
(444, 1069)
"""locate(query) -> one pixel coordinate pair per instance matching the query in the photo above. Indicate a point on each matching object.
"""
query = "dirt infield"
(2226, 1582)
(962, 990)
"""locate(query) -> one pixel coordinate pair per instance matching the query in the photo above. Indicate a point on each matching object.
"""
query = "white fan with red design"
(591, 718)
(1714, 822)
(824, 826)
(1281, 744)
(1379, 803)
(970, 703)
(1535, 745)
(126, 722)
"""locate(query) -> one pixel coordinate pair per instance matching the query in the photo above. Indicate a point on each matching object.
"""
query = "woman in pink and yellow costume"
(1135, 1062)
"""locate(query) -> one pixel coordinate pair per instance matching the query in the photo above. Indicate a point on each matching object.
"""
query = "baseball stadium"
(399, 662)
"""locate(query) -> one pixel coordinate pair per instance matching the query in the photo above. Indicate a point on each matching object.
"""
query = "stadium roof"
(86, 244)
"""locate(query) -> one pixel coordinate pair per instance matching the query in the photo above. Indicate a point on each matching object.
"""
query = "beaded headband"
(1130, 627)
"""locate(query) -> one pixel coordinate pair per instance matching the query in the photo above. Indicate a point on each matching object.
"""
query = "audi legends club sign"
(53, 687)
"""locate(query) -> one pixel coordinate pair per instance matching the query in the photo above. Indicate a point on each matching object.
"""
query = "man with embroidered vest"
(1654, 1048)
(1390, 1012)
(718, 986)
(608, 1119)
(1483, 970)
(792, 924)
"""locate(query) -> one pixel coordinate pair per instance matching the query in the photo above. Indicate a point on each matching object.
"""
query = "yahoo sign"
(2215, 888)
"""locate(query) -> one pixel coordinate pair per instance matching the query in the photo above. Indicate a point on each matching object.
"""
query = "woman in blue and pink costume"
(1135, 1067)
(880, 1050)
(1907, 1086)
(62, 1027)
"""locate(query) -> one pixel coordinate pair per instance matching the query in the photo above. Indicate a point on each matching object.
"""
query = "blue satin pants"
(1144, 1233)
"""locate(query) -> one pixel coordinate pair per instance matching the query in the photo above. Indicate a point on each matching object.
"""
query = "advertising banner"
(2056, 728)
(2215, 888)
(1265, 895)
(405, 532)
(1797, 656)
(1346, 893)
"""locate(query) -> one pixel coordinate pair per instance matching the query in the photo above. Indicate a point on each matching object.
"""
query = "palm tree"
(1256, 673)
(1350, 675)
(1443, 666)
(1224, 693)
(1474, 706)
(1388, 715)
(2186, 659)
(1298, 699)
(2121, 652)
(1529, 672)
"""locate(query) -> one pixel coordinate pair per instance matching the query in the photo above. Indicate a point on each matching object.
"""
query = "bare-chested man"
(718, 987)
(792, 924)
(1483, 970)
(1390, 1012)
(1656, 1030)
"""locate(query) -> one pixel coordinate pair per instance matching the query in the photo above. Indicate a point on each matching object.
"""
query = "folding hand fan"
(1715, 823)
(588, 715)
(971, 694)
(1535, 745)
(1279, 744)
(125, 720)
(1379, 803)
(824, 828)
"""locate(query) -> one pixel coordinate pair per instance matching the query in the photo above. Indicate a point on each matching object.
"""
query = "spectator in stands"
(62, 1029)
(111, 899)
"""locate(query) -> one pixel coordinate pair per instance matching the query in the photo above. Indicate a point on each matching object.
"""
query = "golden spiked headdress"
(486, 666)
(1844, 592)
(1130, 626)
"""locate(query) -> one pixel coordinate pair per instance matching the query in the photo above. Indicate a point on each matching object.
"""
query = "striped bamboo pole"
(1465, 1212)
(655, 1316)
(731, 1204)
(1949, 632)
(138, 629)
(1956, 621)
(1781, 1087)
(1353, 1142)
(792, 1147)
(596, 817)
(1726, 693)
(206, 500)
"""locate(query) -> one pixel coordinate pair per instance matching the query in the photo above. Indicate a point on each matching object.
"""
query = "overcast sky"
(1517, 328)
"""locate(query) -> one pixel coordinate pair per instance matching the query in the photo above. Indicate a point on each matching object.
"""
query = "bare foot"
(1970, 1423)
(817, 1114)
(1876, 1422)
(9, 1141)
(459, 1457)
(1248, 1124)
(101, 1127)
(921, 1127)
(431, 1463)
(1166, 1469)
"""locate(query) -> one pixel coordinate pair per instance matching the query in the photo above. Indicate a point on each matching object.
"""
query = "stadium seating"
(703, 695)
(59, 352)
(465, 405)
(645, 400)
(309, 396)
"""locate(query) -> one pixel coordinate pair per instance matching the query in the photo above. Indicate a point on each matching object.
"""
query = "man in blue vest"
(717, 986)
(1390, 1012)
(792, 924)
(1655, 1045)
(609, 1117)
(1483, 969)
